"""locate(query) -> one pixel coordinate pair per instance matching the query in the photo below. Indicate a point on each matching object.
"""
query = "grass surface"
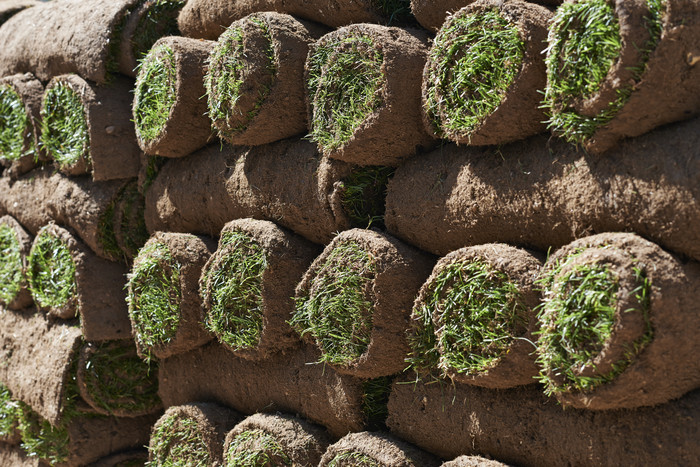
(336, 311)
(364, 195)
(40, 439)
(107, 236)
(375, 397)
(256, 448)
(64, 131)
(176, 441)
(9, 413)
(51, 271)
(224, 79)
(153, 166)
(14, 125)
(118, 380)
(480, 312)
(397, 12)
(11, 267)
(234, 288)
(475, 59)
(576, 318)
(345, 80)
(160, 20)
(155, 92)
(584, 43)
(154, 296)
(353, 458)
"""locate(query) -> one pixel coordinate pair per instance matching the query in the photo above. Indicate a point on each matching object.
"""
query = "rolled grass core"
(584, 44)
(155, 92)
(11, 266)
(51, 272)
(154, 296)
(117, 381)
(14, 124)
(336, 311)
(159, 20)
(255, 448)
(577, 318)
(177, 441)
(473, 62)
(235, 289)
(345, 81)
(64, 130)
(241, 67)
(9, 414)
(364, 195)
(469, 321)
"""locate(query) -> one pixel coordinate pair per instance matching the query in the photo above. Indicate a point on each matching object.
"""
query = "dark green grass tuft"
(9, 413)
(353, 458)
(153, 166)
(396, 12)
(177, 442)
(159, 21)
(64, 131)
(154, 296)
(224, 79)
(475, 59)
(51, 271)
(155, 92)
(364, 195)
(576, 319)
(480, 310)
(117, 379)
(14, 125)
(584, 42)
(256, 448)
(345, 84)
(336, 311)
(11, 267)
(133, 221)
(375, 397)
(40, 439)
(235, 285)
(107, 236)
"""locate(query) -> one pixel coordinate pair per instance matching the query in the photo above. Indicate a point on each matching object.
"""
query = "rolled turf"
(354, 302)
(191, 434)
(87, 129)
(255, 79)
(67, 280)
(163, 294)
(207, 19)
(248, 284)
(15, 244)
(542, 193)
(20, 123)
(473, 318)
(375, 449)
(279, 439)
(609, 63)
(485, 73)
(287, 182)
(168, 110)
(363, 93)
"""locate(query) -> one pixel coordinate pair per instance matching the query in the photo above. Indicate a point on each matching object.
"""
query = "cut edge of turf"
(363, 195)
(64, 127)
(51, 271)
(12, 270)
(177, 440)
(16, 139)
(255, 448)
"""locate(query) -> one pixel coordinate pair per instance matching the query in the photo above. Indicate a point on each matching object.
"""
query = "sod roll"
(613, 325)
(279, 439)
(113, 380)
(354, 302)
(255, 79)
(207, 19)
(363, 93)
(68, 280)
(20, 125)
(248, 284)
(542, 193)
(15, 244)
(286, 382)
(67, 36)
(375, 449)
(431, 14)
(618, 69)
(485, 71)
(191, 434)
(90, 209)
(87, 129)
(163, 294)
(287, 182)
(37, 356)
(521, 426)
(473, 319)
(168, 110)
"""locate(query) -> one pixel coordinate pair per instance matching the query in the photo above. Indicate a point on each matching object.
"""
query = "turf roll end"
(367, 449)
(15, 244)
